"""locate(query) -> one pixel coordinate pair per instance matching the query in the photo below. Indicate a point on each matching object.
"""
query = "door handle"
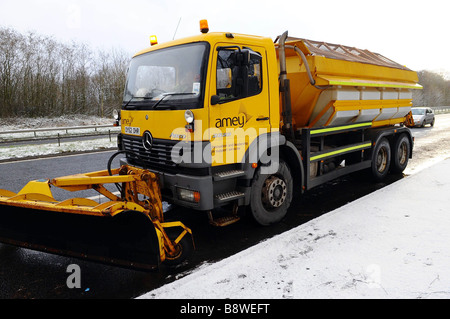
(262, 118)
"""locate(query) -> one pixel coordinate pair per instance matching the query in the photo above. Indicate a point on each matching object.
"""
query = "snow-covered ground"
(22, 123)
(394, 243)
(23, 151)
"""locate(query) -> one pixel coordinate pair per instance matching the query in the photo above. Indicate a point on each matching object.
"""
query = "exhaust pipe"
(282, 54)
(285, 90)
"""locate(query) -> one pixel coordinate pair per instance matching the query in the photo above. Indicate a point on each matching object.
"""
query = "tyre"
(271, 195)
(381, 159)
(432, 123)
(401, 154)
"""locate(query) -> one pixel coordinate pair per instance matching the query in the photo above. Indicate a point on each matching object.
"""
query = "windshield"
(171, 78)
(418, 111)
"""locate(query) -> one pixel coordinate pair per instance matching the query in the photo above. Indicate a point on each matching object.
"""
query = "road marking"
(53, 157)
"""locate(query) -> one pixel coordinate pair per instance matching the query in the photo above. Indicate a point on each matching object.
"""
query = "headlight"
(189, 116)
(188, 195)
(116, 115)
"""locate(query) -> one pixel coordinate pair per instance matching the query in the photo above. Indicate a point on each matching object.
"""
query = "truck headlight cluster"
(189, 117)
(188, 195)
(116, 116)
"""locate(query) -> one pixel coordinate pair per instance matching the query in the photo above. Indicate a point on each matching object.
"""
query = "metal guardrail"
(71, 128)
(58, 137)
(440, 109)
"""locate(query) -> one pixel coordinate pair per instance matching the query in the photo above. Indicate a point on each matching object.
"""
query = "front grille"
(159, 158)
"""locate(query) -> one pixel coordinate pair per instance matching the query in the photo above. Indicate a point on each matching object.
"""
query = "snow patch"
(383, 245)
(22, 123)
(23, 151)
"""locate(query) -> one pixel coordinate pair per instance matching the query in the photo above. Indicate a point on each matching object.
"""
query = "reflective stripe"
(340, 128)
(357, 147)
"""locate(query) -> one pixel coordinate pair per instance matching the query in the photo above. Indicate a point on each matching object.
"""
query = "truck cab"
(191, 110)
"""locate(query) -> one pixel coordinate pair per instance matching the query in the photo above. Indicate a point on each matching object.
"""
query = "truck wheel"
(381, 159)
(401, 154)
(271, 195)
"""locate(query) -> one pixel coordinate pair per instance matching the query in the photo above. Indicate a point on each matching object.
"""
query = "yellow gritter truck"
(222, 120)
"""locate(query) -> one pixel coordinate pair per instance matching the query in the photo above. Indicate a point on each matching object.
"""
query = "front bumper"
(169, 183)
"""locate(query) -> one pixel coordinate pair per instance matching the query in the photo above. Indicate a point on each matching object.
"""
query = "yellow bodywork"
(358, 91)
(354, 92)
(229, 142)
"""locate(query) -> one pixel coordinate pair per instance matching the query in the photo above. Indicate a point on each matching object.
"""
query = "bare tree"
(41, 76)
(436, 90)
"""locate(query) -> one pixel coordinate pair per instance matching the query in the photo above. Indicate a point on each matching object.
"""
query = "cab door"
(239, 104)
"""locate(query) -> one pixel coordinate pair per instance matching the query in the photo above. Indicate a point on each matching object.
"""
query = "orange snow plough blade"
(127, 231)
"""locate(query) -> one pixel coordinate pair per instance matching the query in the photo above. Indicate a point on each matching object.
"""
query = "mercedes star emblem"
(147, 141)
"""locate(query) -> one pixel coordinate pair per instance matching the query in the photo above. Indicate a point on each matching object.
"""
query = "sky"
(411, 32)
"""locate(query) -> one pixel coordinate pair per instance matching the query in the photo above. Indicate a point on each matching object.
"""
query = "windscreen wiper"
(135, 97)
(170, 94)
(126, 104)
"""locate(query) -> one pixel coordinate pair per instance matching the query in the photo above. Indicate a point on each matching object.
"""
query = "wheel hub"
(381, 160)
(274, 192)
(402, 154)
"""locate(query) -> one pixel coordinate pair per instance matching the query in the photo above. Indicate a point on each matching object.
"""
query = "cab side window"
(239, 74)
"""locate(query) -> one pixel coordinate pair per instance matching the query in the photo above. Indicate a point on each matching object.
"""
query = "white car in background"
(423, 116)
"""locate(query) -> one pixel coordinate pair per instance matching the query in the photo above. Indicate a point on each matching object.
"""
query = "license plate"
(132, 130)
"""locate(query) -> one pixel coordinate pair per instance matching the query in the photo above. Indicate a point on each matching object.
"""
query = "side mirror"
(244, 57)
(215, 99)
(249, 54)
